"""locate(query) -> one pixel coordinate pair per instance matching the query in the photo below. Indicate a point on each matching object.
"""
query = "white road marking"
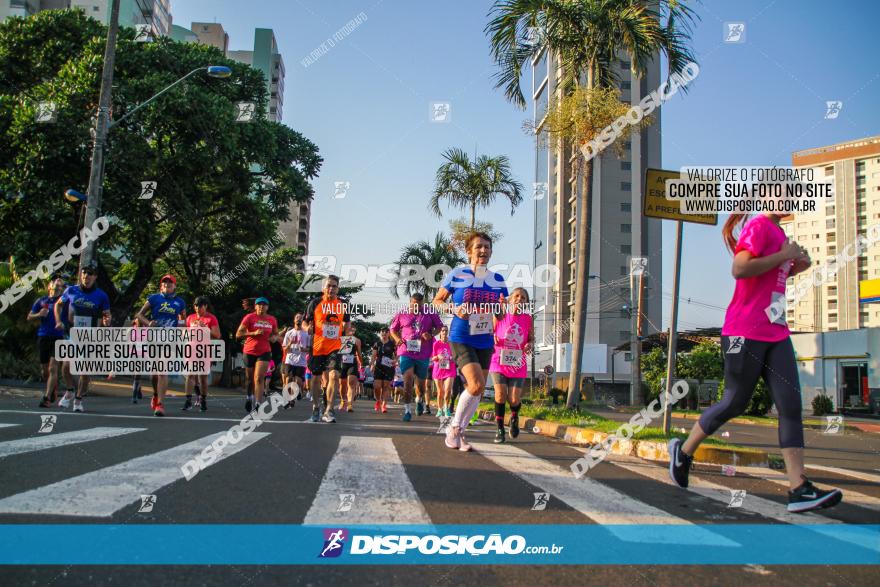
(370, 469)
(103, 492)
(47, 441)
(7, 425)
(597, 501)
(849, 496)
(848, 473)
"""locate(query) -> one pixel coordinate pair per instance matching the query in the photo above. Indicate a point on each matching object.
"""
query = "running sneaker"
(77, 405)
(249, 404)
(289, 404)
(256, 406)
(514, 425)
(154, 402)
(198, 401)
(350, 409)
(679, 463)
(159, 410)
(407, 416)
(419, 409)
(384, 408)
(328, 417)
(807, 497)
(376, 407)
(316, 415)
(203, 405)
(428, 409)
(64, 402)
(452, 438)
(187, 405)
(45, 402)
(499, 436)
(464, 446)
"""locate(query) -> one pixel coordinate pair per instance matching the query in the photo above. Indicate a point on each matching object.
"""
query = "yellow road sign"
(655, 204)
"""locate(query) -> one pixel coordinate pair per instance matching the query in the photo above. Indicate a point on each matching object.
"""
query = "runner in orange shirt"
(326, 316)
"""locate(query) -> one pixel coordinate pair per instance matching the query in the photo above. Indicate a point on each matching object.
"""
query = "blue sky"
(366, 101)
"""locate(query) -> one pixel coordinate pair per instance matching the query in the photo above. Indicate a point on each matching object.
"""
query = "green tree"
(434, 257)
(460, 229)
(653, 366)
(586, 37)
(222, 187)
(467, 184)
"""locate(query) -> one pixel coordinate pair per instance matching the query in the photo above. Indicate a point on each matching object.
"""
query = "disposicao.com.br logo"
(454, 544)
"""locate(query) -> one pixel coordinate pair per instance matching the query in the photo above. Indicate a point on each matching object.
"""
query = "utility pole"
(102, 123)
(672, 350)
(637, 268)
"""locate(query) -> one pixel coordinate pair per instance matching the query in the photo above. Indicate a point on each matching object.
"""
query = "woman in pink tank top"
(514, 337)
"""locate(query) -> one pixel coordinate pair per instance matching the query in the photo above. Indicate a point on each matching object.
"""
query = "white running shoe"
(452, 437)
(464, 446)
(77, 405)
(64, 402)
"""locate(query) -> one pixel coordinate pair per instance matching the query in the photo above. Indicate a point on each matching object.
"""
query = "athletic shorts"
(464, 354)
(502, 379)
(295, 371)
(320, 363)
(46, 347)
(421, 367)
(383, 373)
(349, 369)
(252, 359)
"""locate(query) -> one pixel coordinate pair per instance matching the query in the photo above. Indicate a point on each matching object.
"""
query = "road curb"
(646, 449)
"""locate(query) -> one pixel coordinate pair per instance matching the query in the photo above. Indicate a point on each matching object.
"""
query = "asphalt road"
(291, 471)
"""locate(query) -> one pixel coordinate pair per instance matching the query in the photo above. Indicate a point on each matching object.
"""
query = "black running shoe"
(203, 405)
(807, 497)
(45, 402)
(249, 404)
(499, 436)
(187, 405)
(679, 463)
(514, 425)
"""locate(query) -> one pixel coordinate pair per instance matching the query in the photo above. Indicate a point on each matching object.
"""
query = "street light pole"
(96, 173)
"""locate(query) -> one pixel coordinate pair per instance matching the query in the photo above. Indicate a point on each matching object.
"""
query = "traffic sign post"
(655, 205)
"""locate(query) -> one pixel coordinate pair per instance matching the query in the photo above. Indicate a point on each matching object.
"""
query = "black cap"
(90, 266)
(202, 301)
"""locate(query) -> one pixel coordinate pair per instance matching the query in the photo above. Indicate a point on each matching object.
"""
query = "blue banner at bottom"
(715, 544)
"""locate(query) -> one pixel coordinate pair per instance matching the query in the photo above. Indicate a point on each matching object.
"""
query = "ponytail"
(733, 221)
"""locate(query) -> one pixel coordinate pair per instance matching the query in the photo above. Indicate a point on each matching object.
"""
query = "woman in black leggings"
(756, 343)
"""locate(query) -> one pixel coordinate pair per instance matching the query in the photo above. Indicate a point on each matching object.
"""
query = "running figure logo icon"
(346, 500)
(148, 189)
(736, 498)
(47, 424)
(340, 189)
(833, 424)
(736, 344)
(541, 501)
(540, 189)
(334, 541)
(47, 112)
(441, 112)
(244, 111)
(147, 503)
(728, 470)
(832, 109)
(734, 32)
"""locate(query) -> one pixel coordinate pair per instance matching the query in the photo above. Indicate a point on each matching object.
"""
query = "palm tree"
(466, 184)
(428, 257)
(585, 37)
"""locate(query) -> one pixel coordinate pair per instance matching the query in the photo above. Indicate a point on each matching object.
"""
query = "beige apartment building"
(854, 167)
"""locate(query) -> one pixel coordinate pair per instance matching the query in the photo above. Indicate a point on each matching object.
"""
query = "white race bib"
(82, 321)
(387, 362)
(330, 331)
(414, 345)
(511, 357)
(480, 324)
(444, 364)
(348, 358)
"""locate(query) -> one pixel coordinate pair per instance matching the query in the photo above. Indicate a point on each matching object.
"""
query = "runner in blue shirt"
(166, 310)
(43, 310)
(87, 306)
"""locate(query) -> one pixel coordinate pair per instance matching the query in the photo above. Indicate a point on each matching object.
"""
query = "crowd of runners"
(489, 334)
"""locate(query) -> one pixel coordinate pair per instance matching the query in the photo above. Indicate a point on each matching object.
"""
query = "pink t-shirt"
(513, 332)
(749, 313)
(443, 350)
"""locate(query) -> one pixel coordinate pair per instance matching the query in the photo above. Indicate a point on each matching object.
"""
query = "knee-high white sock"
(472, 409)
(465, 409)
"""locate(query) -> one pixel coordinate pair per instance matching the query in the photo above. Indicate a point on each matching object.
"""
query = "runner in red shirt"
(201, 318)
(260, 329)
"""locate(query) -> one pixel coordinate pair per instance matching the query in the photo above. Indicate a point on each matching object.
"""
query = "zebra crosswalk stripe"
(849, 496)
(601, 503)
(369, 469)
(47, 441)
(103, 492)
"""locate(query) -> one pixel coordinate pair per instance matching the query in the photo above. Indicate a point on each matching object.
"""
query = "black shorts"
(46, 347)
(252, 359)
(320, 363)
(348, 369)
(383, 373)
(295, 371)
(464, 354)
